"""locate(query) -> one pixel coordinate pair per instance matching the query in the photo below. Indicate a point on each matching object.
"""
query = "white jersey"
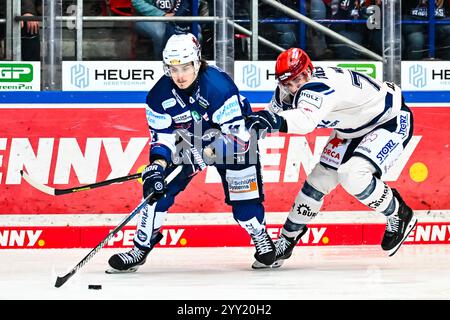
(350, 102)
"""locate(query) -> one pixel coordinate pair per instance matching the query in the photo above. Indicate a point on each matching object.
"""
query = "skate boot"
(265, 248)
(130, 261)
(398, 226)
(284, 247)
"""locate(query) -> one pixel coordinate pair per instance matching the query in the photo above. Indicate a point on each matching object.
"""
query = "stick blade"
(61, 280)
(36, 185)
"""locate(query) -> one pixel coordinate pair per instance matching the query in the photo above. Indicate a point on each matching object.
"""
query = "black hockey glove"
(264, 122)
(153, 181)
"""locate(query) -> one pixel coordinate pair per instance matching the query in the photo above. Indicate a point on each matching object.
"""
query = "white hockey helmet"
(181, 49)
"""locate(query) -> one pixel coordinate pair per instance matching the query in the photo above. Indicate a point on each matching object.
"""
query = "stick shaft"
(98, 184)
(56, 192)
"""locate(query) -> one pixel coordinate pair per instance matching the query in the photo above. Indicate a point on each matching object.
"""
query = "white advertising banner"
(110, 75)
(20, 76)
(425, 75)
(260, 75)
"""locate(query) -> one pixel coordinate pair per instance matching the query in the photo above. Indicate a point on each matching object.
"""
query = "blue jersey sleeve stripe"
(387, 105)
(316, 87)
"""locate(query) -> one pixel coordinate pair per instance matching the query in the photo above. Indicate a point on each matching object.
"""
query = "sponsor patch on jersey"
(242, 184)
(382, 147)
(157, 120)
(196, 116)
(403, 124)
(229, 110)
(183, 117)
(310, 98)
(334, 152)
(180, 101)
(386, 150)
(169, 103)
(202, 102)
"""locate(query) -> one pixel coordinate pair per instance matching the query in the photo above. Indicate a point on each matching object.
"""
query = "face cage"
(166, 68)
(284, 91)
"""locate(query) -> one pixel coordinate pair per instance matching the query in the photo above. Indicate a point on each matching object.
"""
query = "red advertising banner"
(64, 147)
(211, 236)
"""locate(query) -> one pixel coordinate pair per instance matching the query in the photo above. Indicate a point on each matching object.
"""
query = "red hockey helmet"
(291, 63)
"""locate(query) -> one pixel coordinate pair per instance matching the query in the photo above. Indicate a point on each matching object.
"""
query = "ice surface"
(338, 272)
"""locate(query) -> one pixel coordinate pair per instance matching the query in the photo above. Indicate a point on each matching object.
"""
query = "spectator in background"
(415, 35)
(31, 49)
(286, 33)
(160, 32)
(317, 41)
(346, 10)
(373, 37)
(31, 44)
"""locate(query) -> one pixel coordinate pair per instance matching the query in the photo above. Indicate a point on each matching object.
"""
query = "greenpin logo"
(367, 68)
(12, 72)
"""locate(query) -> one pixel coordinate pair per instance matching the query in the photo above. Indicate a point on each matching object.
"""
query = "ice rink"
(338, 272)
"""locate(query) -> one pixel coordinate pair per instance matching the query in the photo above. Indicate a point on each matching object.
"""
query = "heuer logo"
(19, 238)
(418, 76)
(367, 68)
(11, 72)
(79, 76)
(251, 76)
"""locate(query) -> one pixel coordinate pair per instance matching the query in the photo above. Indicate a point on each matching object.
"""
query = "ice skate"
(284, 247)
(265, 248)
(130, 261)
(398, 226)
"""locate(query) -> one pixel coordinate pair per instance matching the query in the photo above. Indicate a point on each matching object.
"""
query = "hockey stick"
(56, 192)
(61, 280)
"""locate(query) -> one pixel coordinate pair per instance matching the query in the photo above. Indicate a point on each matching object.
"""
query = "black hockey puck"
(95, 286)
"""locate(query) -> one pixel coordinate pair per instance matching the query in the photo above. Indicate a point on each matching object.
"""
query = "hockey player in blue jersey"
(372, 126)
(195, 113)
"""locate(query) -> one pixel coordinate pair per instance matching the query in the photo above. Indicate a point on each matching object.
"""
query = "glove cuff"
(152, 168)
(162, 162)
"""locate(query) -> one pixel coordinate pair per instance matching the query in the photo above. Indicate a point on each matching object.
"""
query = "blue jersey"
(213, 107)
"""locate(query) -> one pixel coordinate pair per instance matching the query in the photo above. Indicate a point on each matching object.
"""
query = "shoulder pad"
(308, 97)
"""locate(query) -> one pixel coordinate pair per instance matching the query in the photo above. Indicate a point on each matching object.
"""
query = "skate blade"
(409, 228)
(114, 271)
(258, 265)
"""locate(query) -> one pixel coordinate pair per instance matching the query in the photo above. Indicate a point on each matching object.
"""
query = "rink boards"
(64, 144)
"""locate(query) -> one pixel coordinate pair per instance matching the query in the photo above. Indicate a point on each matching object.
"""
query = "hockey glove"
(153, 181)
(264, 122)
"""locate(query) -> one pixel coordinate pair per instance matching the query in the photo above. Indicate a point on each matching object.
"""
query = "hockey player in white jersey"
(372, 125)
